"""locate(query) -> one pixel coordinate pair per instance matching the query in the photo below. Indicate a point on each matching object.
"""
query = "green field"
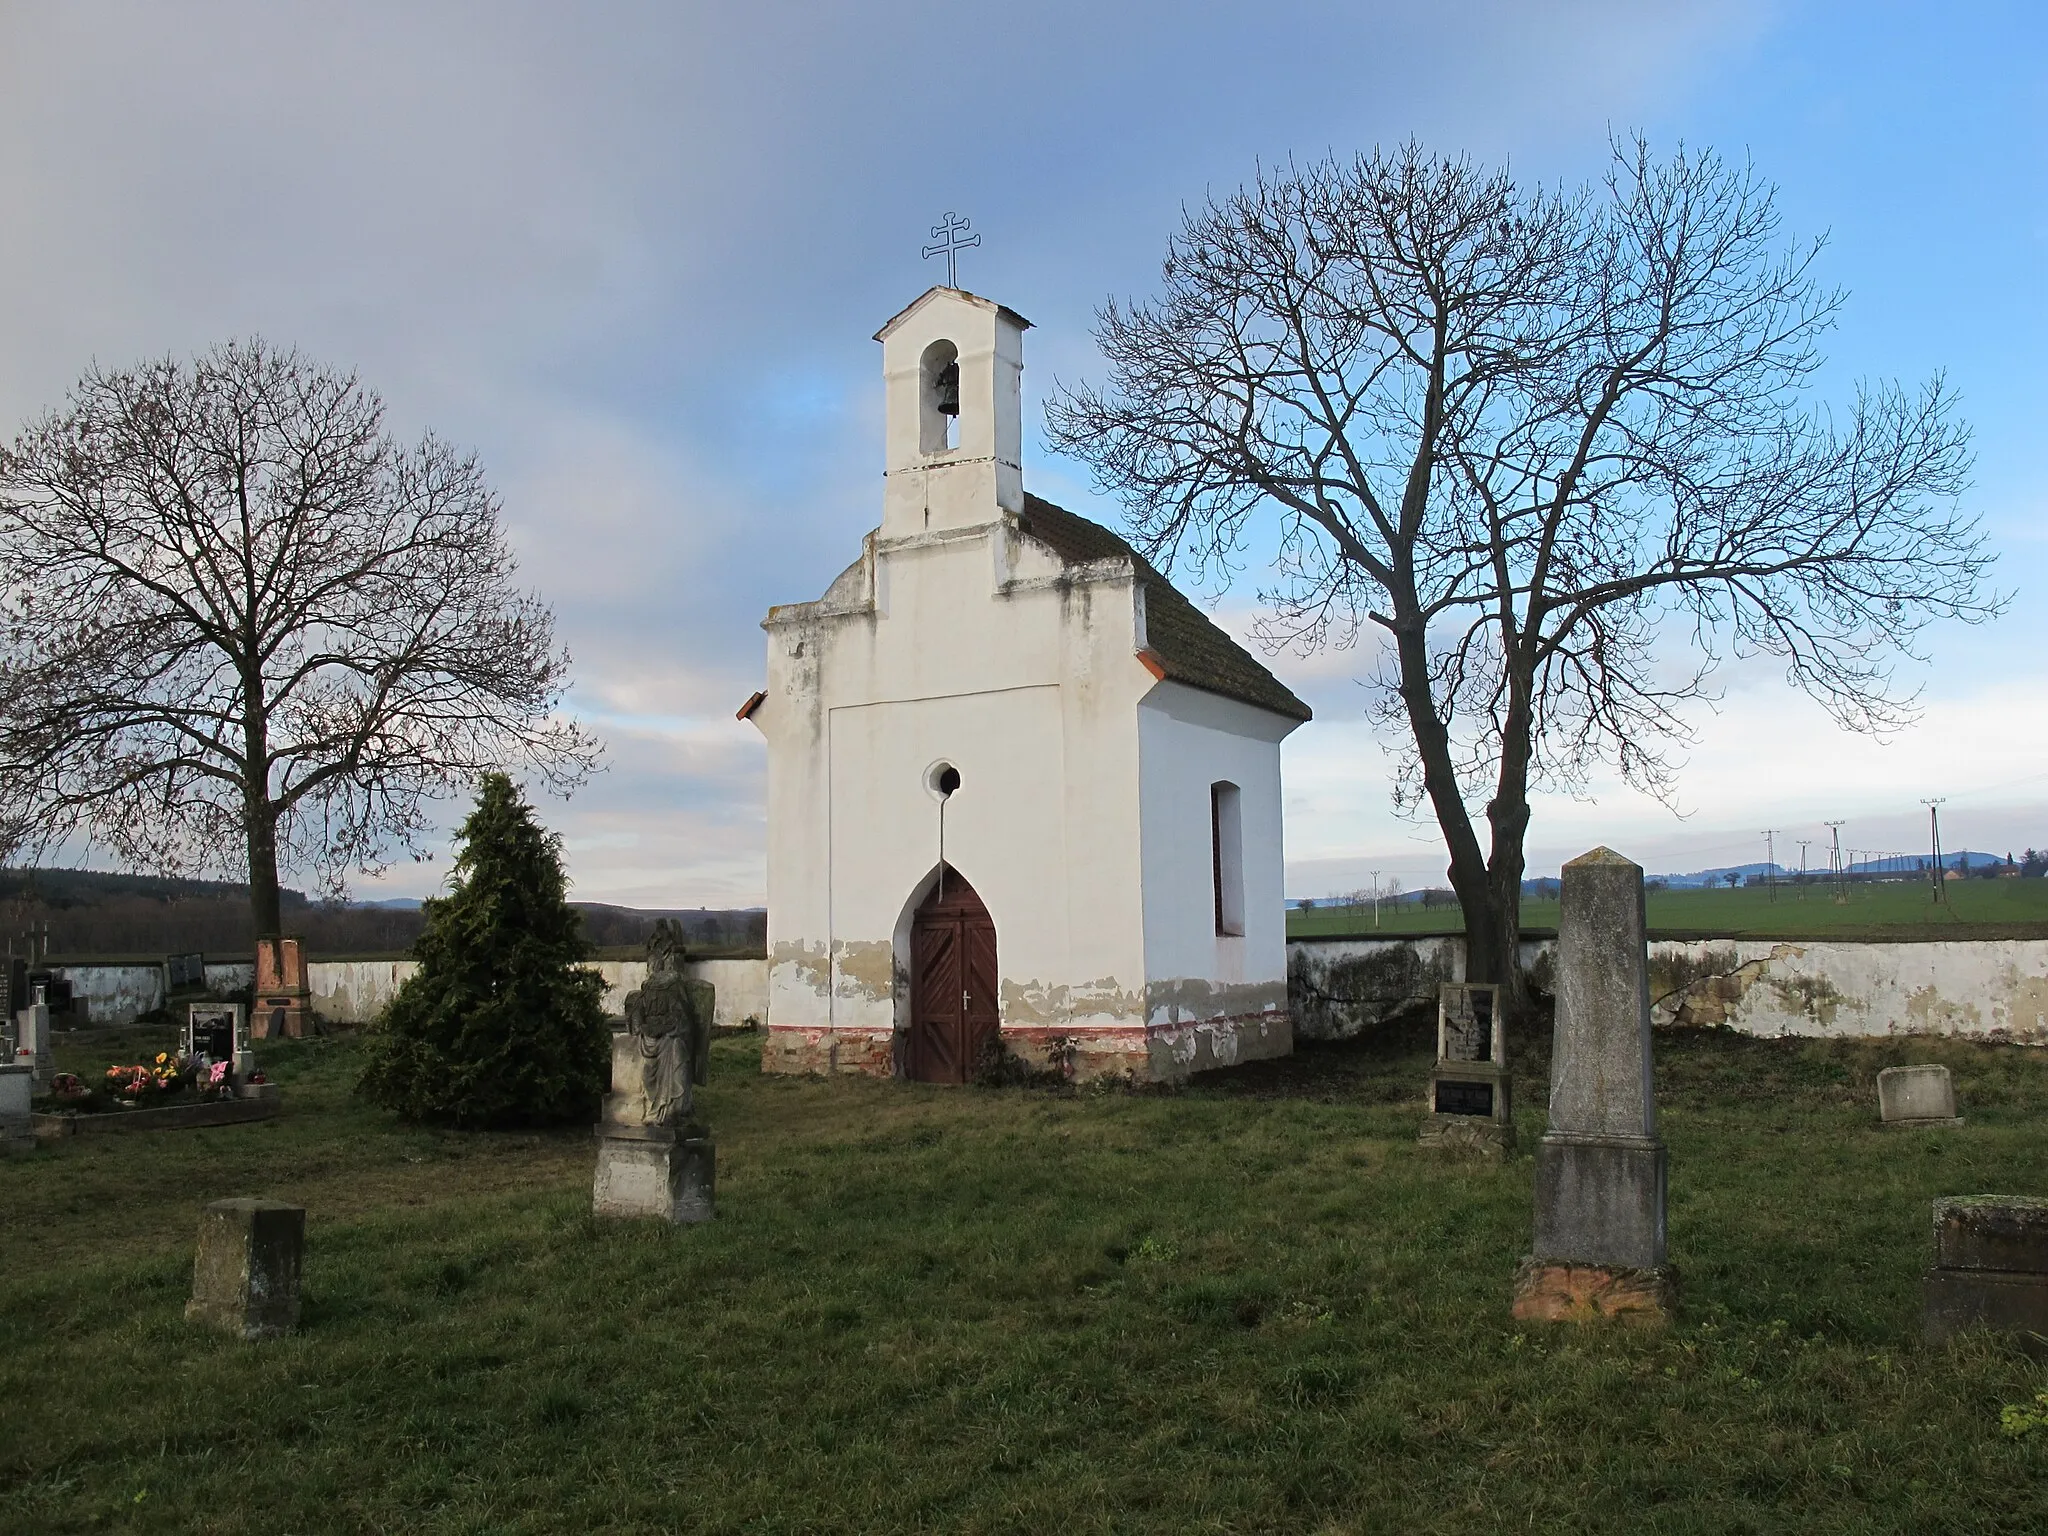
(1251, 1306)
(1882, 909)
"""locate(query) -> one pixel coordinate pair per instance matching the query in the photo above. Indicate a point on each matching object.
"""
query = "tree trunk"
(264, 904)
(1507, 814)
(1485, 958)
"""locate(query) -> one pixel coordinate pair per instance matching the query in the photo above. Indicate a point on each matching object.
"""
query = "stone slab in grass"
(170, 1117)
(1921, 1096)
(245, 1279)
(1990, 1269)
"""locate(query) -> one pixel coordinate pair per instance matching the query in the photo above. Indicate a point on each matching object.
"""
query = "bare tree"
(1514, 431)
(243, 627)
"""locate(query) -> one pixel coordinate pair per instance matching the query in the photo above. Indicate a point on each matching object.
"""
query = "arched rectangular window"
(1226, 847)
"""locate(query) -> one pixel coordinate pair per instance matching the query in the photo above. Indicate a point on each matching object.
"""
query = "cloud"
(633, 254)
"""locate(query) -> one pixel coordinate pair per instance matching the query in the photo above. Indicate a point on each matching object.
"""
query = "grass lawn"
(1253, 1305)
(1887, 909)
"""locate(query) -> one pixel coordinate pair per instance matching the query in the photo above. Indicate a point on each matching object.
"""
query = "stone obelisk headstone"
(1600, 1169)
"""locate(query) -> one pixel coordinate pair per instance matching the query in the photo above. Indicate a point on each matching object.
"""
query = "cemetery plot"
(1253, 1304)
(209, 1077)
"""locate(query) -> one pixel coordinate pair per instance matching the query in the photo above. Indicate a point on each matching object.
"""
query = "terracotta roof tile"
(1182, 638)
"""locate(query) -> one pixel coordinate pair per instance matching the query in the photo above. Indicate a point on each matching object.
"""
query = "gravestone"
(14, 976)
(1600, 1170)
(32, 1039)
(219, 1032)
(283, 1000)
(245, 1280)
(1990, 1269)
(1910, 1097)
(653, 1158)
(17, 1088)
(184, 973)
(1470, 1106)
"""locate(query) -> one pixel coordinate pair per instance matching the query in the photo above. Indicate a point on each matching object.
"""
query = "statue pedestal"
(653, 1170)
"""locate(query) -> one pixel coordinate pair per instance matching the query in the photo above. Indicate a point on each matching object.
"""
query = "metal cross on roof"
(951, 233)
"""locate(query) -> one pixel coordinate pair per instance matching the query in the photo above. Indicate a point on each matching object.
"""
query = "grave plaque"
(218, 1032)
(185, 973)
(1471, 1107)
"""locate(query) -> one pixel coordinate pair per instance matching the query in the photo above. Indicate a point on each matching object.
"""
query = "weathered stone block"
(1552, 1291)
(17, 1130)
(245, 1280)
(2001, 1232)
(1958, 1300)
(1600, 1200)
(1473, 1134)
(657, 1173)
(1917, 1096)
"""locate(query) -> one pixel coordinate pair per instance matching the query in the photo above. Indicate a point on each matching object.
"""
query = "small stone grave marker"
(1990, 1269)
(1909, 1097)
(17, 1128)
(245, 1280)
(1470, 1106)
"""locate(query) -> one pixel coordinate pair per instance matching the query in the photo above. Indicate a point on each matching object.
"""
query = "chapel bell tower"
(953, 364)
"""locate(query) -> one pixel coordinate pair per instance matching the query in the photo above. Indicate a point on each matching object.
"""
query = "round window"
(942, 778)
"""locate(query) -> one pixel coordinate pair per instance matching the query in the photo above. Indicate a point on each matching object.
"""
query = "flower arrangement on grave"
(149, 1080)
(69, 1087)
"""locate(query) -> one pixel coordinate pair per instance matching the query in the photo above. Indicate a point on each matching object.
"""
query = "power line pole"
(1771, 862)
(1934, 835)
(1802, 866)
(1835, 864)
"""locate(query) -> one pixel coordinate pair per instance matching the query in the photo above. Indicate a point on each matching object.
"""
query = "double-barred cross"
(951, 233)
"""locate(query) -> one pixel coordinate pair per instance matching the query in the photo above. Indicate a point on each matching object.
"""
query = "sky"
(633, 255)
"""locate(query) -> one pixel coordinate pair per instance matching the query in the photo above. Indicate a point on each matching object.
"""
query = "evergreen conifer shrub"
(499, 1026)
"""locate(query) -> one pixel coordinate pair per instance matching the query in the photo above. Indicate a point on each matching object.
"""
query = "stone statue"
(665, 1048)
(653, 1158)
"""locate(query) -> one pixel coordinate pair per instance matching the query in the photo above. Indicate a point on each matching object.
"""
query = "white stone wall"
(121, 993)
(1189, 741)
(354, 991)
(1991, 989)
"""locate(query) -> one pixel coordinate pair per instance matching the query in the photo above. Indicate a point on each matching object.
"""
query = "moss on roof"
(1180, 636)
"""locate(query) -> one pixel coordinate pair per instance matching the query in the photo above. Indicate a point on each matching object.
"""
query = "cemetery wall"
(352, 991)
(1989, 989)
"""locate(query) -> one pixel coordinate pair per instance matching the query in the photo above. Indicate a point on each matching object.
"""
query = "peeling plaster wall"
(1994, 989)
(1219, 998)
(119, 994)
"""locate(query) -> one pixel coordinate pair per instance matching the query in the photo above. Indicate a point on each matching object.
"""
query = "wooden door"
(953, 979)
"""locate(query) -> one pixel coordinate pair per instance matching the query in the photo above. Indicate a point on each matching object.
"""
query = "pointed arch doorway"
(953, 980)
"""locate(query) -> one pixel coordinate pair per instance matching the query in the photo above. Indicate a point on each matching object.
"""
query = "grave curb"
(172, 1117)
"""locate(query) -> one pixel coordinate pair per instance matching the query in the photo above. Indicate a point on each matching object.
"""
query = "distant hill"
(83, 912)
(1896, 865)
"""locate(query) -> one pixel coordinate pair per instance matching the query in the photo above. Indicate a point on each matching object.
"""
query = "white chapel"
(1022, 794)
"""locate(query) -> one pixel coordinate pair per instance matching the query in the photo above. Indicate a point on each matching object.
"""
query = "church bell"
(947, 388)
